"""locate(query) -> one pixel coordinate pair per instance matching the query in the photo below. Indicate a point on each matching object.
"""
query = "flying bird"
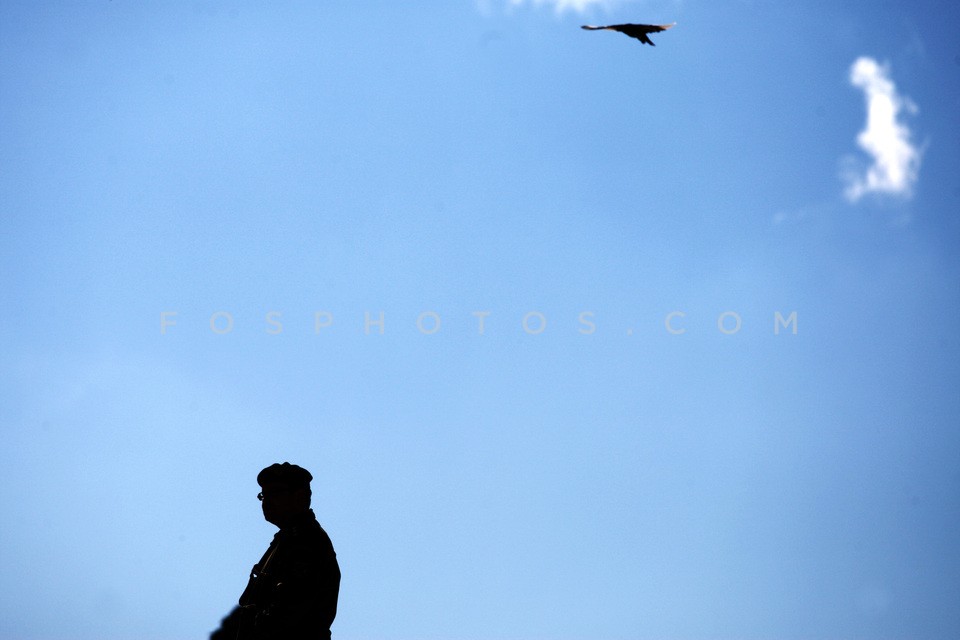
(638, 31)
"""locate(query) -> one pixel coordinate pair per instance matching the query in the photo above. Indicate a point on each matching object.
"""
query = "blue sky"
(601, 478)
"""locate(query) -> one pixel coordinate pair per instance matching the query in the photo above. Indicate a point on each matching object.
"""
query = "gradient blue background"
(355, 157)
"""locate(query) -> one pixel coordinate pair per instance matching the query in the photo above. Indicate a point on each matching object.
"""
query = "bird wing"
(654, 28)
(638, 31)
(628, 28)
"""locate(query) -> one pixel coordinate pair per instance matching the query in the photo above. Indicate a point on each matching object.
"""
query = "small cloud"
(562, 6)
(579, 6)
(801, 214)
(896, 161)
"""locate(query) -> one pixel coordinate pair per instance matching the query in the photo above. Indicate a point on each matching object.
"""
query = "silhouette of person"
(293, 590)
(229, 626)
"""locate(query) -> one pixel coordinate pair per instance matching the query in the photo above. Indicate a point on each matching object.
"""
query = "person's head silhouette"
(285, 495)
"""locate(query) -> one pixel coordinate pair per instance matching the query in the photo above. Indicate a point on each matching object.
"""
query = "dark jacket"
(293, 590)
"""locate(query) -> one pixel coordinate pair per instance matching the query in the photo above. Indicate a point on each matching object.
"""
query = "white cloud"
(577, 6)
(561, 6)
(896, 161)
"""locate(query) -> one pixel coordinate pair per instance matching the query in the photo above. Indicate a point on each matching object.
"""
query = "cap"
(289, 474)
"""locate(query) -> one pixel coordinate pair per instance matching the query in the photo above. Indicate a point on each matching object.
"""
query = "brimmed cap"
(286, 473)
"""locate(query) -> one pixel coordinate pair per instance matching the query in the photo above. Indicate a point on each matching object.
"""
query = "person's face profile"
(279, 502)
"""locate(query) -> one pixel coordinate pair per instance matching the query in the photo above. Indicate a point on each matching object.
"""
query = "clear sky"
(585, 466)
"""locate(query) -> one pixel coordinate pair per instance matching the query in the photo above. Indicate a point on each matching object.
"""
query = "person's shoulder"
(312, 535)
(320, 536)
